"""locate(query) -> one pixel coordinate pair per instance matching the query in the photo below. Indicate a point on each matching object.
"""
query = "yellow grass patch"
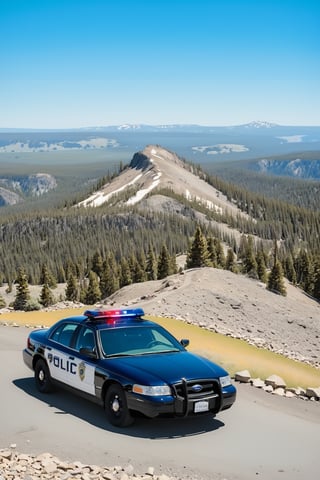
(235, 355)
(232, 354)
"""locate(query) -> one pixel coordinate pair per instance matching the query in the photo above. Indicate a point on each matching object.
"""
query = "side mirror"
(185, 342)
(87, 352)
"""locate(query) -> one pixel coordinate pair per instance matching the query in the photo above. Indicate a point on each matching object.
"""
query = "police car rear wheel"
(116, 407)
(42, 377)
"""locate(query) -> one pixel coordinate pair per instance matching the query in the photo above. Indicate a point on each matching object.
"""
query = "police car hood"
(168, 367)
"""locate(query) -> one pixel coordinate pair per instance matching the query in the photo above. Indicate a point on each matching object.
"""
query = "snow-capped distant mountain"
(127, 126)
(260, 124)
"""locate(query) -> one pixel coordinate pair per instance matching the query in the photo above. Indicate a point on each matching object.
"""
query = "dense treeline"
(298, 192)
(104, 275)
(272, 219)
(59, 239)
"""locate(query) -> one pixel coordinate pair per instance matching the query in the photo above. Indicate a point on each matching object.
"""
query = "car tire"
(116, 407)
(42, 377)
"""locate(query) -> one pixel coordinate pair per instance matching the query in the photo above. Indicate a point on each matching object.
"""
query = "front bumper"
(182, 406)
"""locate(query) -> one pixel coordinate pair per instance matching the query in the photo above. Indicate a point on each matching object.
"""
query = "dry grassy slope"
(234, 305)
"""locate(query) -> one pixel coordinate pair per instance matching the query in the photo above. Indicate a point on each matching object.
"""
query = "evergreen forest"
(96, 251)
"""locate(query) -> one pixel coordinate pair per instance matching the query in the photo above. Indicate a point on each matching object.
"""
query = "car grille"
(188, 392)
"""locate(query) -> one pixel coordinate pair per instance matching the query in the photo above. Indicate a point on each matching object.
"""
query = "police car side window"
(64, 333)
(85, 339)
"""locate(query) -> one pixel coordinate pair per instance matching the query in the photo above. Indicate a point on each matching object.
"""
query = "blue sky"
(76, 63)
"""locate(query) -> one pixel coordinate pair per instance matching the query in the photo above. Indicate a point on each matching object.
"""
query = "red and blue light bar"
(119, 313)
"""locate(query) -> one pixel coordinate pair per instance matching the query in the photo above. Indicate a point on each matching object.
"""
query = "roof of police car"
(101, 319)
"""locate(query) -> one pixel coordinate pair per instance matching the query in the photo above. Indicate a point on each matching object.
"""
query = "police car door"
(57, 352)
(85, 365)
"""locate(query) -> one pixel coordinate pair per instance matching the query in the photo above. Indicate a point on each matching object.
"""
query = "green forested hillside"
(296, 191)
(66, 240)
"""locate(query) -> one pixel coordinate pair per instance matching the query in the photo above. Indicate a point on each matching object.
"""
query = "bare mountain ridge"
(154, 169)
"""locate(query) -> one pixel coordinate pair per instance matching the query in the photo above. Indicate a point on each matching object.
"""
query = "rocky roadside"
(277, 386)
(20, 466)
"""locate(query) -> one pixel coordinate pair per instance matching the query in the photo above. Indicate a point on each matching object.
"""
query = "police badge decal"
(82, 370)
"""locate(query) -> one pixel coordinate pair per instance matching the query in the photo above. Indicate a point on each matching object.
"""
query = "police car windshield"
(137, 340)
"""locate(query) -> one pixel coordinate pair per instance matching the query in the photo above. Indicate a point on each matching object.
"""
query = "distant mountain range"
(127, 127)
(202, 144)
(264, 147)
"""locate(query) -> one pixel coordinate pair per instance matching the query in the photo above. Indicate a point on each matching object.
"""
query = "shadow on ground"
(63, 403)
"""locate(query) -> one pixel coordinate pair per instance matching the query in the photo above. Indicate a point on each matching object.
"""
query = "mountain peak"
(150, 173)
(259, 124)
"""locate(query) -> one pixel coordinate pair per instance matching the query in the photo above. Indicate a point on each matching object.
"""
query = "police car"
(128, 364)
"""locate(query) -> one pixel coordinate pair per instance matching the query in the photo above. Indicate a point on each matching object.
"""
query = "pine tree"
(163, 263)
(61, 274)
(70, 269)
(138, 273)
(46, 296)
(97, 263)
(275, 280)
(46, 277)
(249, 265)
(231, 261)
(306, 272)
(109, 282)
(221, 259)
(141, 258)
(125, 274)
(242, 247)
(198, 253)
(93, 294)
(212, 252)
(151, 265)
(72, 289)
(23, 295)
(173, 268)
(290, 270)
(261, 267)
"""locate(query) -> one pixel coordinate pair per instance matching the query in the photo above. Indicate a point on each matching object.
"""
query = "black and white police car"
(127, 364)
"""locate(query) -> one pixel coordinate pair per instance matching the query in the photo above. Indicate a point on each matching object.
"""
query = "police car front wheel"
(116, 407)
(42, 377)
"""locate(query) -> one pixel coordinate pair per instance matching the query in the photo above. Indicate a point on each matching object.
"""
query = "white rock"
(279, 391)
(290, 394)
(49, 467)
(243, 376)
(257, 382)
(268, 388)
(275, 381)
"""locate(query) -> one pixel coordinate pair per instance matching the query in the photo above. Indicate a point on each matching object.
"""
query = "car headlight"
(225, 381)
(152, 391)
